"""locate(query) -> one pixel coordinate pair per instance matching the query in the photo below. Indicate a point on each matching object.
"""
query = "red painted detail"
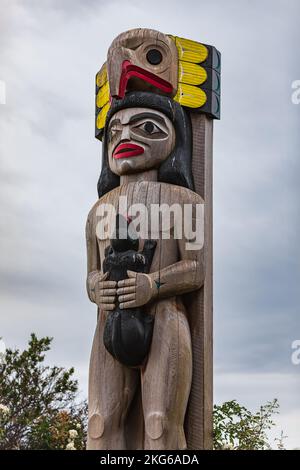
(130, 70)
(126, 150)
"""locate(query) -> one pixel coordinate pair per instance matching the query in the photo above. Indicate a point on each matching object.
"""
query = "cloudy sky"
(50, 51)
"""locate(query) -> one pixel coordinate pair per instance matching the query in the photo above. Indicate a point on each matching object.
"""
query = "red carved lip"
(126, 150)
(130, 70)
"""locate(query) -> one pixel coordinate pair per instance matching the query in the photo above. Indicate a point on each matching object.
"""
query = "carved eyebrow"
(113, 122)
(139, 117)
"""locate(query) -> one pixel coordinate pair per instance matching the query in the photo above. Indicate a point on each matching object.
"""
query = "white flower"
(78, 426)
(227, 446)
(73, 433)
(70, 446)
(4, 409)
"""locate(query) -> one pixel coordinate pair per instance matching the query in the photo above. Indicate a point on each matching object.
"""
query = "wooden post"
(199, 428)
(151, 369)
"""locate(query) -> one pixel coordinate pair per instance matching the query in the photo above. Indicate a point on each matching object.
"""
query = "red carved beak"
(130, 70)
(126, 150)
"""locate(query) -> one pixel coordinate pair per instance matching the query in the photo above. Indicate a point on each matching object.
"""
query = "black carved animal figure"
(128, 332)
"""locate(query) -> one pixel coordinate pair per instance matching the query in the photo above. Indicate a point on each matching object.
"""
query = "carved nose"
(125, 136)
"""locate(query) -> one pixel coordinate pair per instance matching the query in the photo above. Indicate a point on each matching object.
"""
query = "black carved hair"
(177, 168)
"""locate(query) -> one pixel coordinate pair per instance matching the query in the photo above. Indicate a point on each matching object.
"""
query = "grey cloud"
(49, 54)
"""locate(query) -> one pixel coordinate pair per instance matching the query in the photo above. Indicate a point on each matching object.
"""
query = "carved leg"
(111, 389)
(166, 380)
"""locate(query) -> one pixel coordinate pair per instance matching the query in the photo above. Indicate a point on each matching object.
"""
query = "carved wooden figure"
(150, 380)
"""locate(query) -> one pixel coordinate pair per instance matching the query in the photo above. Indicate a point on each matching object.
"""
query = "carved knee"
(155, 424)
(96, 426)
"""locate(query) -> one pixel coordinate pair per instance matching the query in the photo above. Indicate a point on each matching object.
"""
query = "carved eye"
(113, 131)
(149, 128)
(154, 56)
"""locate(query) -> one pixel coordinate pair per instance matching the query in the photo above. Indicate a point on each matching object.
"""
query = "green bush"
(38, 407)
(237, 428)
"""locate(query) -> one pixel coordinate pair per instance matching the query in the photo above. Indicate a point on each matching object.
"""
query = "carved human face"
(139, 139)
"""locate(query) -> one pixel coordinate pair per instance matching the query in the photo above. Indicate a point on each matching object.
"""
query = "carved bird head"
(148, 60)
(142, 60)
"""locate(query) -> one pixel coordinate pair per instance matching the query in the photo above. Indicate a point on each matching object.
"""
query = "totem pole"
(149, 245)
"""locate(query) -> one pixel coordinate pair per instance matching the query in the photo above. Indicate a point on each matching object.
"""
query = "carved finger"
(131, 274)
(125, 298)
(107, 300)
(130, 304)
(104, 276)
(107, 292)
(108, 307)
(127, 282)
(107, 284)
(126, 290)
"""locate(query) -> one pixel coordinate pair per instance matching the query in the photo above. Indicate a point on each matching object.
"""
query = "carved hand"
(105, 292)
(136, 291)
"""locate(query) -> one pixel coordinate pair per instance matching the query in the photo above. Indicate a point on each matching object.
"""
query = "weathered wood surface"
(166, 377)
(166, 403)
(198, 423)
(133, 46)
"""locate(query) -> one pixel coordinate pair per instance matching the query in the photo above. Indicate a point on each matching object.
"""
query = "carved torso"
(167, 250)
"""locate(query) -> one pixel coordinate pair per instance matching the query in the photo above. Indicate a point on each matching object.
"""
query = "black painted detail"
(159, 284)
(177, 168)
(127, 332)
(154, 56)
(149, 127)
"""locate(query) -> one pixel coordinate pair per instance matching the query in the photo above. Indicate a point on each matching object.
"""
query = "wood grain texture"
(165, 378)
(166, 403)
(133, 46)
(198, 422)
